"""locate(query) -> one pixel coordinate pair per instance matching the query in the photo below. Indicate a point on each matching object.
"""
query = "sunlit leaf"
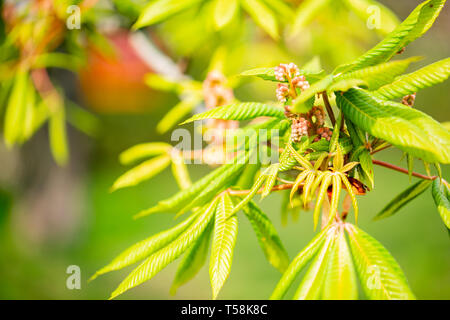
(225, 233)
(340, 282)
(161, 258)
(263, 16)
(267, 236)
(143, 150)
(144, 248)
(239, 111)
(403, 198)
(299, 263)
(441, 196)
(380, 275)
(142, 172)
(193, 260)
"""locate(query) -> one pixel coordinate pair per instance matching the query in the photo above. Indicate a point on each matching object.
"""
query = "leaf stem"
(328, 107)
(399, 169)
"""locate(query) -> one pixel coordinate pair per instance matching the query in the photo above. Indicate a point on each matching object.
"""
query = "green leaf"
(299, 263)
(380, 275)
(225, 233)
(406, 128)
(366, 167)
(161, 258)
(142, 172)
(306, 12)
(271, 174)
(417, 23)
(179, 170)
(380, 74)
(58, 135)
(146, 247)
(441, 196)
(224, 181)
(160, 10)
(403, 198)
(15, 111)
(311, 285)
(178, 112)
(263, 16)
(224, 11)
(345, 84)
(340, 282)
(281, 8)
(193, 260)
(415, 81)
(267, 236)
(239, 111)
(299, 105)
(143, 150)
(387, 19)
(183, 197)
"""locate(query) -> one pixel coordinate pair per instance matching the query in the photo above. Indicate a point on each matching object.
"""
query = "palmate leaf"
(224, 181)
(183, 197)
(406, 128)
(224, 11)
(225, 233)
(403, 198)
(159, 10)
(161, 258)
(441, 196)
(312, 283)
(239, 111)
(415, 81)
(380, 275)
(146, 247)
(263, 16)
(416, 24)
(267, 236)
(141, 172)
(143, 150)
(193, 260)
(299, 263)
(340, 282)
(380, 74)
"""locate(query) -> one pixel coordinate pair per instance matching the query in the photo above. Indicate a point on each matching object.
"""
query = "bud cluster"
(289, 73)
(216, 94)
(409, 99)
(215, 91)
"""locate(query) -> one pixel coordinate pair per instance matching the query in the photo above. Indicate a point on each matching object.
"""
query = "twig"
(328, 107)
(399, 169)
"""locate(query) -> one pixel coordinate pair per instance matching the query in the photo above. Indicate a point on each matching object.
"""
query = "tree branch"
(328, 107)
(402, 170)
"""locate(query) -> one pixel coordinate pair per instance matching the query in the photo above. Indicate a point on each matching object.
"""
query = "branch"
(328, 107)
(402, 170)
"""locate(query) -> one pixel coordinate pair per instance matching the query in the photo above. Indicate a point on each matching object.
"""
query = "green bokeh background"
(29, 269)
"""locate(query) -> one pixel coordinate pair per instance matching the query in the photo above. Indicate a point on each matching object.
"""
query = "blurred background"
(54, 216)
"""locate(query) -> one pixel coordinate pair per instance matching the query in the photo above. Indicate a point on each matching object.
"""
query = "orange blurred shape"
(113, 82)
